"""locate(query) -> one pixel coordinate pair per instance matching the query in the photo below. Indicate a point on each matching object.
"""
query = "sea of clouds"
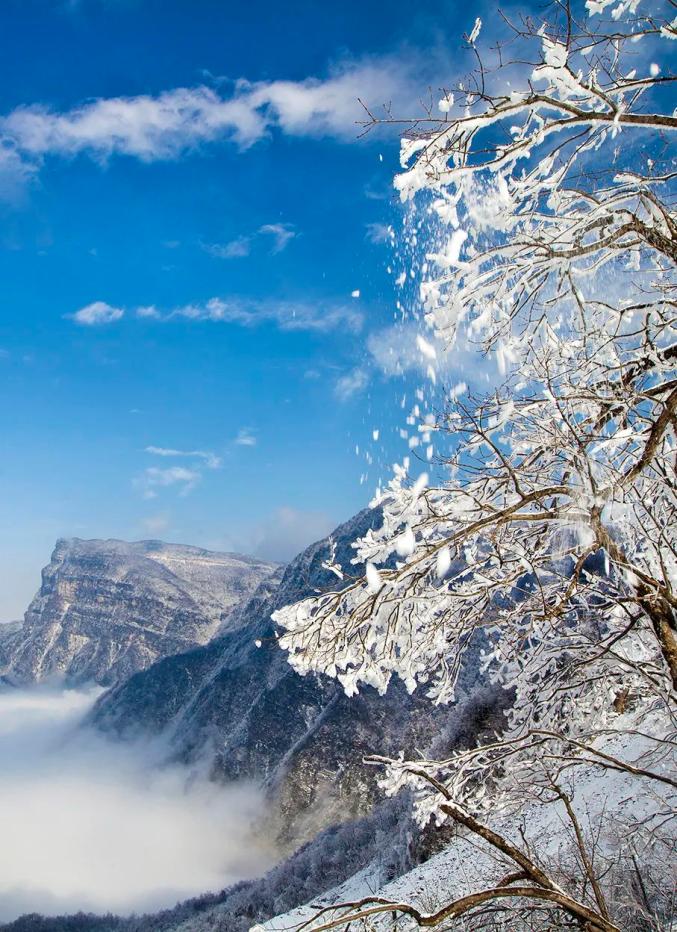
(88, 824)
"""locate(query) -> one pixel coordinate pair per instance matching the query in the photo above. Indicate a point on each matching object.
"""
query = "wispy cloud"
(154, 478)
(212, 461)
(235, 249)
(282, 233)
(97, 313)
(149, 128)
(246, 437)
(149, 311)
(16, 171)
(318, 317)
(184, 477)
(165, 126)
(287, 315)
(378, 190)
(351, 384)
(240, 247)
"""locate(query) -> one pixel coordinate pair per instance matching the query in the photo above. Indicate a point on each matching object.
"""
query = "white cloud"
(351, 384)
(235, 249)
(185, 478)
(158, 127)
(319, 317)
(287, 315)
(94, 825)
(149, 311)
(282, 233)
(96, 313)
(147, 127)
(246, 437)
(378, 233)
(331, 107)
(154, 478)
(212, 461)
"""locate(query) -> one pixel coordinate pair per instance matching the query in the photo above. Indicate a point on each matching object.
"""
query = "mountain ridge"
(109, 608)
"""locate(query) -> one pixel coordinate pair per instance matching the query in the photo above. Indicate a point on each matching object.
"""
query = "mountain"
(236, 704)
(107, 609)
(242, 707)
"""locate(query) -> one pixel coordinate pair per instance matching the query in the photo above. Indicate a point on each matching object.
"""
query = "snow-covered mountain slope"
(238, 703)
(107, 609)
(621, 818)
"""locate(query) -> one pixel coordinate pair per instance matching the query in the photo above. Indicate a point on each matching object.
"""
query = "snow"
(425, 348)
(466, 865)
(474, 35)
(443, 563)
(373, 578)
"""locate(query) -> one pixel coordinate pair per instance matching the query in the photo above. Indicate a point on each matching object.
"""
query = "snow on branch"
(550, 239)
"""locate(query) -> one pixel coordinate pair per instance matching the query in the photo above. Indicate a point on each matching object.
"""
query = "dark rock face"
(108, 609)
(244, 709)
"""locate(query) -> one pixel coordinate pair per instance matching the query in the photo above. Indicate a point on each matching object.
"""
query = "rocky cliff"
(107, 609)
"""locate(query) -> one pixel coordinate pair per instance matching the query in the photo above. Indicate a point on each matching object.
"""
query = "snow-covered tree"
(546, 202)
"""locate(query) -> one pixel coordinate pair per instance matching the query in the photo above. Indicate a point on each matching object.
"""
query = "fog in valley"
(92, 825)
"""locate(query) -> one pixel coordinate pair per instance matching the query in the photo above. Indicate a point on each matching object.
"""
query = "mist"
(92, 825)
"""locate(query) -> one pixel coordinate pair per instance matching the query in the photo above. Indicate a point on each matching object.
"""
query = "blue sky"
(187, 215)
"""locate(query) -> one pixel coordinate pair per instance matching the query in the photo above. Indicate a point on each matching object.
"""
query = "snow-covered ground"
(618, 799)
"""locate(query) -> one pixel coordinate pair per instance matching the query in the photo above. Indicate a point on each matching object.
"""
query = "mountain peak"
(109, 608)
